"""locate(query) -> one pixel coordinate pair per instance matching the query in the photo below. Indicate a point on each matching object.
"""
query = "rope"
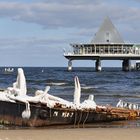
(50, 113)
(85, 119)
(80, 119)
(75, 118)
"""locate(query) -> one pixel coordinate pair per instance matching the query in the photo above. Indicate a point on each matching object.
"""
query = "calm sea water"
(108, 86)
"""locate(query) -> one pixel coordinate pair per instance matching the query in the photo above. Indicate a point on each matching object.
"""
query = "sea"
(108, 86)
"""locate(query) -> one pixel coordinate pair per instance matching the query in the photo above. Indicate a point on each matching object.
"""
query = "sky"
(35, 32)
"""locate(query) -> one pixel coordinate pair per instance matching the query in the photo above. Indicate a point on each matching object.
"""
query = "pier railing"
(104, 49)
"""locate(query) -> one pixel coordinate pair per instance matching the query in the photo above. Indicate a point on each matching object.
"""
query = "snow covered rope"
(27, 112)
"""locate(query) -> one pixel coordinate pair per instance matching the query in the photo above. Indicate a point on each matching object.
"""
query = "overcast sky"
(34, 32)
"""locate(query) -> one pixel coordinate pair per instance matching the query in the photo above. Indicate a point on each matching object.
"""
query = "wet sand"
(72, 134)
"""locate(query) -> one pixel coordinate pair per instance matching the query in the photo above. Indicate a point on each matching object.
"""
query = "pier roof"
(107, 34)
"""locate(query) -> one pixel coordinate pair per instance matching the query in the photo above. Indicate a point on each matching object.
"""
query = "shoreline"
(69, 134)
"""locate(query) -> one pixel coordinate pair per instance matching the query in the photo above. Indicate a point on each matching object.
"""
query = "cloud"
(31, 51)
(80, 17)
(69, 14)
(32, 41)
(84, 15)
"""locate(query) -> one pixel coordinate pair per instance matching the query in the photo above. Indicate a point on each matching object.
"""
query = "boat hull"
(41, 115)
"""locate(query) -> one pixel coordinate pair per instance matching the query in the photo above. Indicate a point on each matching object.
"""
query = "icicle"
(77, 92)
(130, 106)
(134, 106)
(125, 105)
(120, 104)
(26, 113)
(91, 97)
(47, 89)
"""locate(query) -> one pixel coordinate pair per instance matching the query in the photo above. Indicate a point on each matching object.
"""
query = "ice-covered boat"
(43, 109)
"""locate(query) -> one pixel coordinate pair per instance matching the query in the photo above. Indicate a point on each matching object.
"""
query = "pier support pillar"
(98, 65)
(70, 65)
(126, 65)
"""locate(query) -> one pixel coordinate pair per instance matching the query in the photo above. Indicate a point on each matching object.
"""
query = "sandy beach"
(72, 134)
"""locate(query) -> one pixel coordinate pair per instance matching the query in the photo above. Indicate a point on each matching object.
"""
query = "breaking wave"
(87, 87)
(56, 84)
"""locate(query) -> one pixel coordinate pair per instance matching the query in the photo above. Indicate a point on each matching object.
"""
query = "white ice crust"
(19, 93)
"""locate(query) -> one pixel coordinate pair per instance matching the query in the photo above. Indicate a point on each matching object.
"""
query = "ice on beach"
(19, 90)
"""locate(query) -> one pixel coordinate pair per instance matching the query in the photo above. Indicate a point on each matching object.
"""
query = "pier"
(107, 45)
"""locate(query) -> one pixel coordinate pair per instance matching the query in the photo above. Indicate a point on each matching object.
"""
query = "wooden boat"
(41, 115)
(18, 109)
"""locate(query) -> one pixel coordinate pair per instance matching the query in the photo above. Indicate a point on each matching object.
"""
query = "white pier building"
(107, 45)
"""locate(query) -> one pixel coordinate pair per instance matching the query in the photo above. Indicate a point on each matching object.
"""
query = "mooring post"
(98, 65)
(126, 65)
(70, 65)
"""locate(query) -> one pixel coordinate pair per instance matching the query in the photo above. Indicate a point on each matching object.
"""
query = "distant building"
(106, 45)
